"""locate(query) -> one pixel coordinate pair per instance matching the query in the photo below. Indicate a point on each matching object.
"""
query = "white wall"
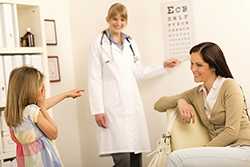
(224, 22)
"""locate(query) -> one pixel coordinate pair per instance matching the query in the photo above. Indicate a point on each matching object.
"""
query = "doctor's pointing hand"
(170, 63)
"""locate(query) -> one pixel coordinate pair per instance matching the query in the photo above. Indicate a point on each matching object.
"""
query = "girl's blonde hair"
(117, 9)
(23, 89)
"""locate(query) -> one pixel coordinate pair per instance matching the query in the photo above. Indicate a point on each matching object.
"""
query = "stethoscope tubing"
(104, 33)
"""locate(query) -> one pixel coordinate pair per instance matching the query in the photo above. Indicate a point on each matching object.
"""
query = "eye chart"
(177, 27)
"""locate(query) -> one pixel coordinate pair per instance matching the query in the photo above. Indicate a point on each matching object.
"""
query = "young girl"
(31, 126)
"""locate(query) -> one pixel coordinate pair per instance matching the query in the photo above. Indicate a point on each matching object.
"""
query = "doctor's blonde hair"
(117, 9)
(23, 89)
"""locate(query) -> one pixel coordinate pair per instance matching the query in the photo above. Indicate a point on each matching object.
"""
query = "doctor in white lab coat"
(114, 68)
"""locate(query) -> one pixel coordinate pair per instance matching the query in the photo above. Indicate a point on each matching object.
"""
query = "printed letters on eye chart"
(177, 26)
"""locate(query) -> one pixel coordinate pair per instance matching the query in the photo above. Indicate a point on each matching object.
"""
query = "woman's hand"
(74, 93)
(185, 111)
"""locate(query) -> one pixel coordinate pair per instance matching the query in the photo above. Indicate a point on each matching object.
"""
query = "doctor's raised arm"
(115, 101)
(143, 72)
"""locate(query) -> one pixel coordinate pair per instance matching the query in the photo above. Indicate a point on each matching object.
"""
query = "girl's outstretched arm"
(50, 102)
(44, 120)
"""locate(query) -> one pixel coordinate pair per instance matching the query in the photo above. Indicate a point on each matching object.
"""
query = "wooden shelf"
(21, 50)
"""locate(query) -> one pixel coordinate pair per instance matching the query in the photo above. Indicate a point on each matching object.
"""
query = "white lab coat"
(113, 90)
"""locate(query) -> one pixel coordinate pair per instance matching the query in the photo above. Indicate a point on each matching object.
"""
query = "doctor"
(114, 68)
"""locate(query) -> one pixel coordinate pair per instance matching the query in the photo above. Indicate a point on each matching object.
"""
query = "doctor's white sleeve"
(146, 72)
(95, 87)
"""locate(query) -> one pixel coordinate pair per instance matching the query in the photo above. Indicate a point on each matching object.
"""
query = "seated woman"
(220, 104)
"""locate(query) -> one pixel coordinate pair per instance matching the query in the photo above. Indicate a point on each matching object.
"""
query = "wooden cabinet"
(15, 17)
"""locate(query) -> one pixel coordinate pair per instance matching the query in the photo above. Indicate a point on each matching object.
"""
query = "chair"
(178, 136)
(186, 135)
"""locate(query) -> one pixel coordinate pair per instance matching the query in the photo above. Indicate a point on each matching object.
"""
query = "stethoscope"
(104, 33)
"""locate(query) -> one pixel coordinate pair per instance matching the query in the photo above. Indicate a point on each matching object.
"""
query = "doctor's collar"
(109, 35)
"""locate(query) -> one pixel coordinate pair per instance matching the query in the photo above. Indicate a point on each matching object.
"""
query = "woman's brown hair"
(213, 55)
